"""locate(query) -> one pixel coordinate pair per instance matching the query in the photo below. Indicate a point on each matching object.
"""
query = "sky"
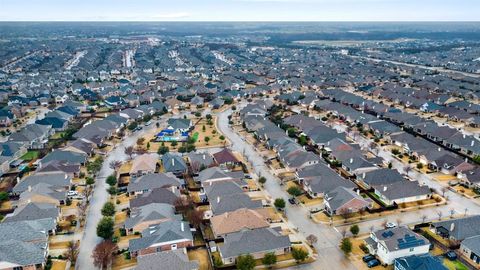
(239, 10)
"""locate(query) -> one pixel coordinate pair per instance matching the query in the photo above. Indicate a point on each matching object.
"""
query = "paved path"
(329, 254)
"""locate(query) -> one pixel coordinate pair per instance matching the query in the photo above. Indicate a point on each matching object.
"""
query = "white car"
(72, 193)
(390, 225)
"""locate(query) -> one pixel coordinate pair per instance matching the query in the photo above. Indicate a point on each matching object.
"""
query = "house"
(225, 157)
(199, 161)
(149, 182)
(71, 169)
(215, 174)
(458, 229)
(170, 235)
(235, 221)
(65, 156)
(169, 260)
(34, 136)
(174, 163)
(156, 195)
(56, 180)
(402, 192)
(470, 178)
(470, 249)
(144, 216)
(57, 124)
(257, 243)
(33, 211)
(24, 244)
(381, 176)
(391, 244)
(44, 193)
(9, 152)
(144, 164)
(231, 202)
(342, 200)
(319, 179)
(183, 125)
(81, 146)
(419, 262)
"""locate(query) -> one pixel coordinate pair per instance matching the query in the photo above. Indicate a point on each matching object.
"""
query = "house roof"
(145, 162)
(156, 195)
(472, 243)
(339, 196)
(398, 238)
(421, 262)
(232, 202)
(461, 228)
(173, 163)
(33, 211)
(237, 220)
(402, 189)
(253, 241)
(169, 260)
(65, 156)
(218, 174)
(382, 176)
(169, 231)
(150, 212)
(225, 156)
(154, 180)
(54, 179)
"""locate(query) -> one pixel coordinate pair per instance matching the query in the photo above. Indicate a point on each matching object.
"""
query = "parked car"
(292, 201)
(451, 255)
(72, 193)
(390, 225)
(368, 258)
(373, 263)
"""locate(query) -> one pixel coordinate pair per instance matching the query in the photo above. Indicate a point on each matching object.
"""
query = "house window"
(159, 249)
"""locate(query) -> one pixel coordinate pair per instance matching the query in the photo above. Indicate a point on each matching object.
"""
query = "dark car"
(373, 263)
(292, 201)
(368, 258)
(451, 255)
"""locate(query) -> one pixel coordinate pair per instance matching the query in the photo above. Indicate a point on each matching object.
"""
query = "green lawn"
(455, 265)
(195, 136)
(30, 155)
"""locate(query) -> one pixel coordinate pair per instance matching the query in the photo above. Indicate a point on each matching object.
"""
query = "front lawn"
(30, 155)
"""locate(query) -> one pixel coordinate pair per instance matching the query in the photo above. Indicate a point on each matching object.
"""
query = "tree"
(195, 217)
(162, 150)
(3, 196)
(294, 191)
(476, 159)
(312, 239)
(82, 210)
(174, 143)
(269, 259)
(111, 180)
(302, 140)
(207, 139)
(354, 229)
(208, 116)
(245, 262)
(346, 246)
(204, 128)
(390, 165)
(87, 191)
(103, 254)
(129, 151)
(419, 166)
(72, 251)
(132, 126)
(115, 164)
(299, 255)
(89, 181)
(105, 228)
(291, 132)
(279, 203)
(262, 180)
(222, 137)
(108, 209)
(140, 141)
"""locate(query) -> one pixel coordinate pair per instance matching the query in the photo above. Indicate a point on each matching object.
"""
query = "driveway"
(329, 254)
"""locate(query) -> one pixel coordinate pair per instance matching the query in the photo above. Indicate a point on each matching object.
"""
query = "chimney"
(351, 160)
(218, 199)
(385, 188)
(182, 226)
(473, 143)
(29, 188)
(452, 227)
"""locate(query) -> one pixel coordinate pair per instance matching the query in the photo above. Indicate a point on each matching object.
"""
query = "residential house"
(458, 229)
(170, 235)
(419, 262)
(156, 195)
(319, 179)
(144, 216)
(470, 249)
(342, 200)
(257, 243)
(34, 136)
(225, 157)
(168, 260)
(400, 192)
(238, 220)
(149, 182)
(144, 164)
(394, 243)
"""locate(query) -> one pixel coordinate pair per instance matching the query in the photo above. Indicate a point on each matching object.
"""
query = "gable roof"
(150, 212)
(169, 260)
(154, 180)
(57, 179)
(461, 228)
(225, 156)
(237, 220)
(253, 241)
(169, 231)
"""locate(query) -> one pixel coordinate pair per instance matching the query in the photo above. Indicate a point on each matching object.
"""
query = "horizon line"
(246, 21)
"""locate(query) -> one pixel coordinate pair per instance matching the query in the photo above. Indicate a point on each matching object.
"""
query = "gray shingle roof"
(54, 179)
(150, 212)
(169, 231)
(462, 227)
(154, 180)
(169, 260)
(252, 241)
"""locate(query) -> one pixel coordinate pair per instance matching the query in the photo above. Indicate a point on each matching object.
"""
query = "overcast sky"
(239, 10)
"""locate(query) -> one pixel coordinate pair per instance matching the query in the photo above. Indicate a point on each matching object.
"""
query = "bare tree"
(312, 239)
(183, 203)
(103, 254)
(424, 217)
(115, 164)
(129, 151)
(452, 212)
(195, 217)
(72, 251)
(87, 192)
(82, 210)
(343, 232)
(439, 214)
(407, 170)
(372, 228)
